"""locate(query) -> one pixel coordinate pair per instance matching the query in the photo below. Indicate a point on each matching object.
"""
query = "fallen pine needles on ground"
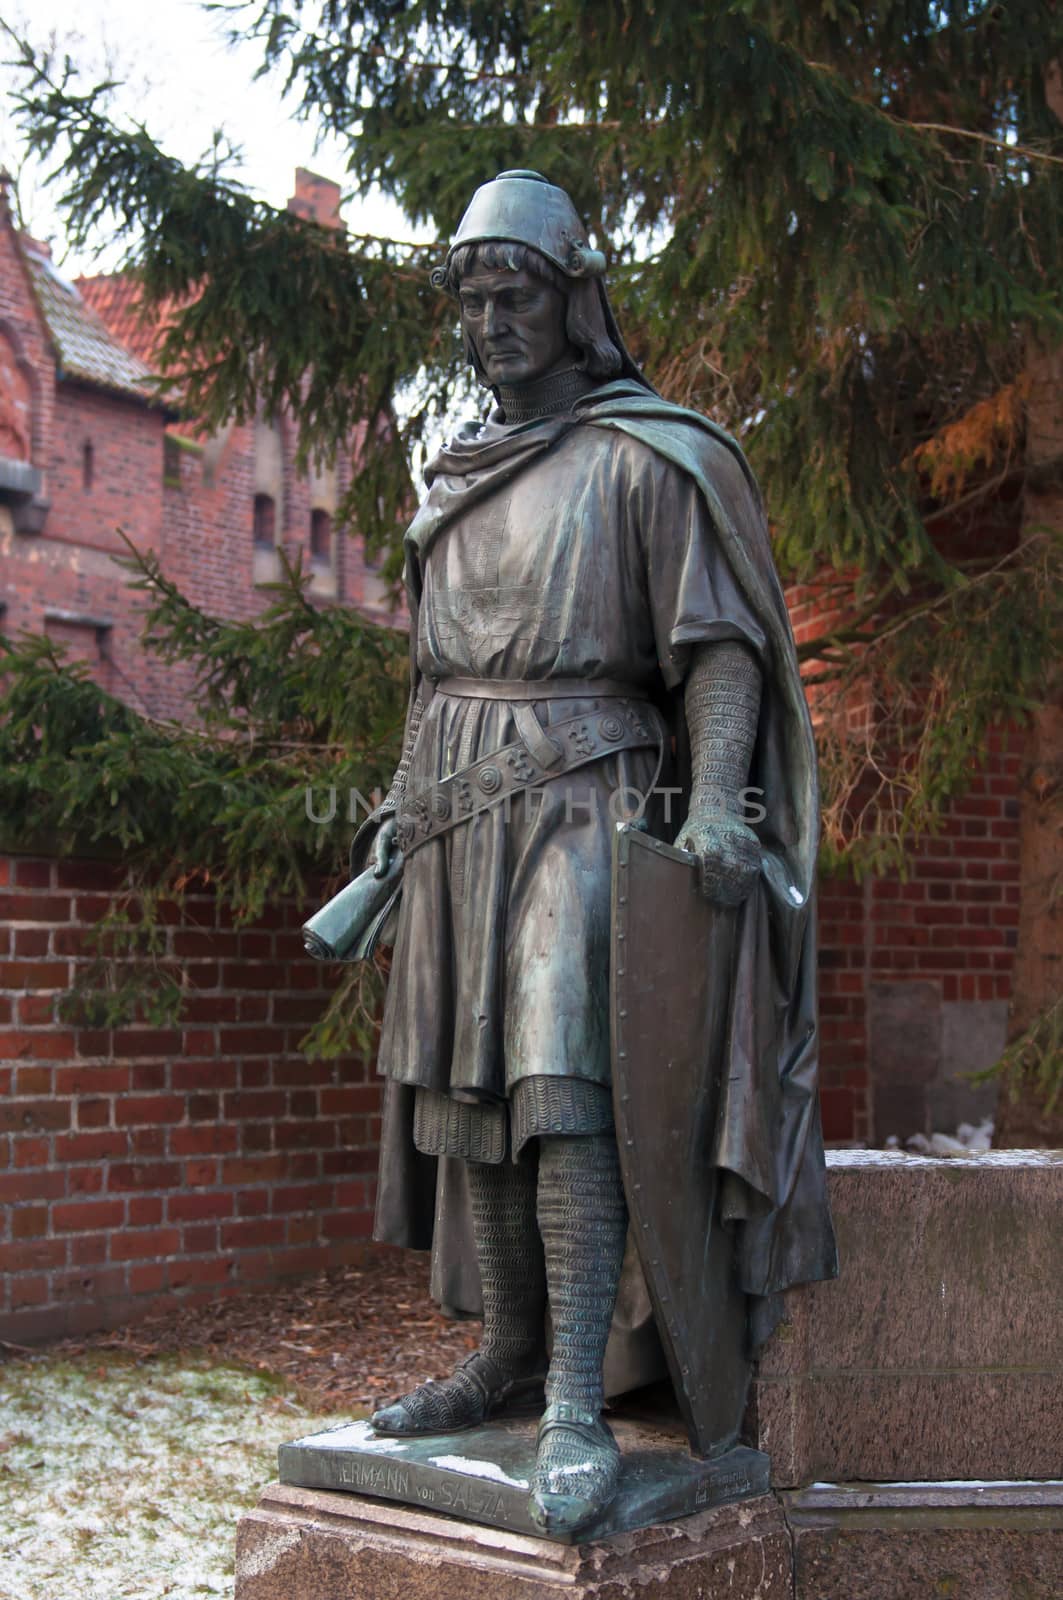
(349, 1337)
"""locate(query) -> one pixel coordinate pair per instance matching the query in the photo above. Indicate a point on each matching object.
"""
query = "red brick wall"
(894, 1062)
(845, 1085)
(126, 492)
(139, 1166)
(955, 918)
(915, 971)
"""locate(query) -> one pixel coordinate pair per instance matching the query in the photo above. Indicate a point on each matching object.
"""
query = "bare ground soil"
(346, 1339)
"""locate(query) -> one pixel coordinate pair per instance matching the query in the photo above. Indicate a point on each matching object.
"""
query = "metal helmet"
(527, 209)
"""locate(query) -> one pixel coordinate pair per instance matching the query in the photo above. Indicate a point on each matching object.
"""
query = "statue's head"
(529, 287)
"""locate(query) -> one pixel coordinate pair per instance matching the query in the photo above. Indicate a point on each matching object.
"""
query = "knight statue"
(601, 1107)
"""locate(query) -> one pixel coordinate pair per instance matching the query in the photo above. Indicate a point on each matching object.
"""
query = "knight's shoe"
(477, 1390)
(577, 1467)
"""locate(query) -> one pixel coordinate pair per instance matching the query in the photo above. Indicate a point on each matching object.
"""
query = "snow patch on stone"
(478, 1469)
(947, 1483)
(356, 1436)
(902, 1159)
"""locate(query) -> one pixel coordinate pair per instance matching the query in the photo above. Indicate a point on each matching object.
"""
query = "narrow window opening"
(171, 462)
(265, 520)
(88, 465)
(321, 536)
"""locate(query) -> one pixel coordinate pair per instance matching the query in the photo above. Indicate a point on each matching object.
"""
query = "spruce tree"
(833, 226)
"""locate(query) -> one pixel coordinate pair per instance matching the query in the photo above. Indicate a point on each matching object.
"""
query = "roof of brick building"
(115, 296)
(85, 346)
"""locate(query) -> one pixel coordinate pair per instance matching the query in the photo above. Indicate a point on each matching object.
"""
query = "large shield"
(670, 977)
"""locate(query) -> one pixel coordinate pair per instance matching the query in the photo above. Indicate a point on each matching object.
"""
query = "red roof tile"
(116, 298)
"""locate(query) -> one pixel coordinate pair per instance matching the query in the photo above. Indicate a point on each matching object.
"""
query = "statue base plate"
(484, 1475)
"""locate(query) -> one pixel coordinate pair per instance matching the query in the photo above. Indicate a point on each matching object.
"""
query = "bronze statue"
(599, 646)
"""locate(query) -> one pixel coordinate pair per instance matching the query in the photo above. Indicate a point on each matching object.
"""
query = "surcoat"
(601, 544)
(598, 562)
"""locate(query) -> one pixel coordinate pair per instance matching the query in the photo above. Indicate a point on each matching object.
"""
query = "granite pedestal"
(847, 1541)
(936, 1356)
(937, 1353)
(921, 1541)
(306, 1544)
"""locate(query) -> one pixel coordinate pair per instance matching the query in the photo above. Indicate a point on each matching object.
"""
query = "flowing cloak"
(768, 1142)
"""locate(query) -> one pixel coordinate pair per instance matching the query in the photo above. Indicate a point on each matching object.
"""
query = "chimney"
(316, 199)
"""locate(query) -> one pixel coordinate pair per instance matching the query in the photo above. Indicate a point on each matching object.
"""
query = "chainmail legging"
(510, 1256)
(583, 1223)
(582, 1226)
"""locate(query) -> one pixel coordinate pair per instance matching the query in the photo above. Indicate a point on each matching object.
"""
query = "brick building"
(86, 449)
(141, 1166)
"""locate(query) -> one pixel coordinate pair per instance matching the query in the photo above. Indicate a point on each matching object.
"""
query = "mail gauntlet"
(393, 799)
(385, 812)
(722, 706)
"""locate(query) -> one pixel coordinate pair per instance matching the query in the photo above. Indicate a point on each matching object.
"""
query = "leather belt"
(627, 724)
(540, 689)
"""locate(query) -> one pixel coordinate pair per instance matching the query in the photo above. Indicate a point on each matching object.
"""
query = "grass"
(124, 1479)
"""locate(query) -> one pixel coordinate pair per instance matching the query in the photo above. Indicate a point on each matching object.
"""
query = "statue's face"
(516, 324)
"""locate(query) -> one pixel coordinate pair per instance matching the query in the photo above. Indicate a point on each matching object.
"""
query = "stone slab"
(904, 1027)
(855, 1541)
(939, 1350)
(973, 1036)
(306, 1544)
(485, 1473)
(911, 1541)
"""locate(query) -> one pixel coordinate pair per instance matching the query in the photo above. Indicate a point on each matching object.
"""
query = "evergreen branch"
(832, 275)
(1024, 150)
(1034, 1058)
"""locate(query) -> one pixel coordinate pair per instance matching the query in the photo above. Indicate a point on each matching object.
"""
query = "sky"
(183, 81)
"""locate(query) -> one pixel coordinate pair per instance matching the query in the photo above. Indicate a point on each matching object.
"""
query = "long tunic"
(605, 542)
(599, 561)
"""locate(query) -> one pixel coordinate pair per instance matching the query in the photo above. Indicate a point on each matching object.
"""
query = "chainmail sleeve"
(393, 799)
(722, 704)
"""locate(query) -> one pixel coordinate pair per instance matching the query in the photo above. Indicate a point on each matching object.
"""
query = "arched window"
(265, 520)
(321, 535)
(88, 465)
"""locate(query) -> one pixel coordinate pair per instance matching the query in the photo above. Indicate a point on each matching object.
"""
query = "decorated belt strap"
(539, 755)
(540, 689)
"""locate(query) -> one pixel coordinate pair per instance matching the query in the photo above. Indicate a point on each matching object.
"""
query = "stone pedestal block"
(308, 1544)
(970, 1541)
(938, 1351)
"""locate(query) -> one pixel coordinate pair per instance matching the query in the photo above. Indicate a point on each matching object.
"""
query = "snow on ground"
(124, 1480)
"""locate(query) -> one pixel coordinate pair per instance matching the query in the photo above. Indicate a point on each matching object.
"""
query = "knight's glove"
(722, 703)
(383, 845)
